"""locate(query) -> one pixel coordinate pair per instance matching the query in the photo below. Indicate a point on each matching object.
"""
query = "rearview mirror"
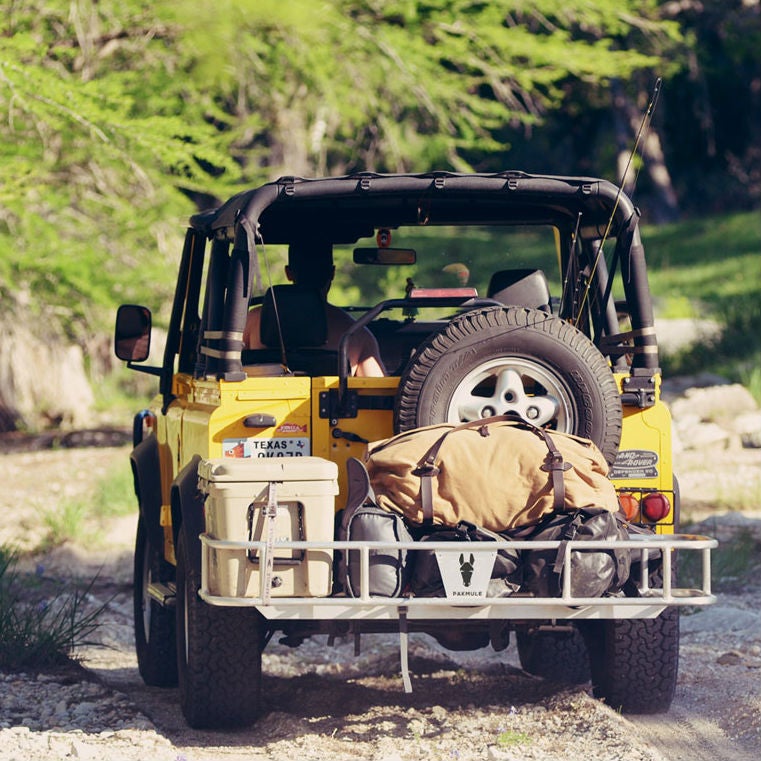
(132, 337)
(385, 256)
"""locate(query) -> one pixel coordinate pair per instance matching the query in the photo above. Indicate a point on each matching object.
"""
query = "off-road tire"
(219, 655)
(635, 662)
(155, 638)
(528, 351)
(557, 656)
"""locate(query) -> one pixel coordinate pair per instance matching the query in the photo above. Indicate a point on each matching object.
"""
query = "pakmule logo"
(462, 575)
(466, 569)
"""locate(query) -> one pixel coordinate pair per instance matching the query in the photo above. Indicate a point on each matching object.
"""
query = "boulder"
(716, 404)
(43, 382)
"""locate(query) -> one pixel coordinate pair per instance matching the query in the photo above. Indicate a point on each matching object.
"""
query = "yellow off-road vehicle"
(510, 293)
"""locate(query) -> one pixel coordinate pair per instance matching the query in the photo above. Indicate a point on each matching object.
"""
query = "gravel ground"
(325, 702)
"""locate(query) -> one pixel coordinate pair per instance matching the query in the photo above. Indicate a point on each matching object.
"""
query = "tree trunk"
(627, 121)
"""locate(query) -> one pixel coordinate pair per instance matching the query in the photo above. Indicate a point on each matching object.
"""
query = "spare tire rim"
(513, 385)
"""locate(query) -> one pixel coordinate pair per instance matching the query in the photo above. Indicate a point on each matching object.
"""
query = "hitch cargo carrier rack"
(649, 602)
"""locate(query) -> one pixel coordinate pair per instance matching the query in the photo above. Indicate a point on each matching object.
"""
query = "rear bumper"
(649, 603)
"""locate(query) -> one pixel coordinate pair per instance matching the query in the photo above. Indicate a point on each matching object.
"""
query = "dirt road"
(328, 703)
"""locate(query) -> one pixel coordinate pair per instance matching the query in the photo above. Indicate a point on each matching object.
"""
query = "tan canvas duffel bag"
(497, 473)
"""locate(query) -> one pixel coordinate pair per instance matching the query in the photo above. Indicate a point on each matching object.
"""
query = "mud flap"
(404, 649)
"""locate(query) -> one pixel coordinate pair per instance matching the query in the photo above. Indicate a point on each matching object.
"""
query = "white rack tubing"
(661, 543)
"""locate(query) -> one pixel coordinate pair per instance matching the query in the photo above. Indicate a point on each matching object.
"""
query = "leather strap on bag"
(555, 465)
(427, 470)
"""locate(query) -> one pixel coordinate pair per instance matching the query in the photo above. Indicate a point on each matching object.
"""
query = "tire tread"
(220, 683)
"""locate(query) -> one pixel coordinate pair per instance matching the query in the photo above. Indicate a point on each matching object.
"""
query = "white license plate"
(291, 446)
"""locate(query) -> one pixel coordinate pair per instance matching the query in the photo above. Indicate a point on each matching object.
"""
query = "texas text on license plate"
(291, 446)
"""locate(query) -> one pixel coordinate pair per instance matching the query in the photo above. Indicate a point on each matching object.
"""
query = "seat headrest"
(520, 287)
(300, 313)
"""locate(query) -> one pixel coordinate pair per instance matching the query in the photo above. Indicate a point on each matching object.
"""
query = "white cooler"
(237, 492)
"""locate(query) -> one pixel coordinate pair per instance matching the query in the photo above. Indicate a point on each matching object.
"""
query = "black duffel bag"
(594, 572)
(426, 580)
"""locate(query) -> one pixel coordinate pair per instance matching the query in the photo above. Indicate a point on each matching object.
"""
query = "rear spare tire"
(499, 360)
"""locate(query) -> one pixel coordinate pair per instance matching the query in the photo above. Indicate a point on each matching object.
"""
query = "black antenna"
(565, 295)
(643, 127)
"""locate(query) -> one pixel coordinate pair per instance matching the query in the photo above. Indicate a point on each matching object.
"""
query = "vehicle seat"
(299, 315)
(520, 287)
(399, 340)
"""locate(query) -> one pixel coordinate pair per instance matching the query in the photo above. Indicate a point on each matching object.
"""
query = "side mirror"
(385, 256)
(132, 337)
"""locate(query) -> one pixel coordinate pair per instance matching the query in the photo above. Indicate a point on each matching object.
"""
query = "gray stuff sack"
(363, 521)
(388, 568)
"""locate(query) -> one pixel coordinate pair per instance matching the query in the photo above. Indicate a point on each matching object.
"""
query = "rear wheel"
(635, 662)
(219, 655)
(155, 640)
(496, 360)
(559, 656)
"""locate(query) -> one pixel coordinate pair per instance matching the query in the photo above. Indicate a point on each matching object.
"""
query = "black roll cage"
(344, 209)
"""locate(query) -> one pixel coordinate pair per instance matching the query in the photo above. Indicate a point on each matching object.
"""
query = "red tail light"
(650, 506)
(630, 505)
(655, 506)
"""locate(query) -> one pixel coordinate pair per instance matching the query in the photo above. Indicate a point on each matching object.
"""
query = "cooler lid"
(250, 469)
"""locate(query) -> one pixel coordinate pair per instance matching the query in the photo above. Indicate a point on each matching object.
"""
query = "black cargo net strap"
(554, 463)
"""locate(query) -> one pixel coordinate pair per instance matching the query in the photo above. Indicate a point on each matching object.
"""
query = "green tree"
(712, 121)
(90, 169)
(119, 117)
(402, 85)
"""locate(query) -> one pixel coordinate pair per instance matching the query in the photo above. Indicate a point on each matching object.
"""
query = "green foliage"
(90, 176)
(40, 625)
(734, 564)
(394, 86)
(713, 267)
(82, 519)
(121, 118)
(511, 738)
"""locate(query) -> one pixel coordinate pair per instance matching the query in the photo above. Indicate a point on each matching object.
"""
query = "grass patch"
(82, 519)
(69, 521)
(40, 626)
(735, 354)
(114, 494)
(709, 260)
(711, 268)
(510, 739)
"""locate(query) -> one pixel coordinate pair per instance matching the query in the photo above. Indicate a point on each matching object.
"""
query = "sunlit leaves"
(115, 113)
